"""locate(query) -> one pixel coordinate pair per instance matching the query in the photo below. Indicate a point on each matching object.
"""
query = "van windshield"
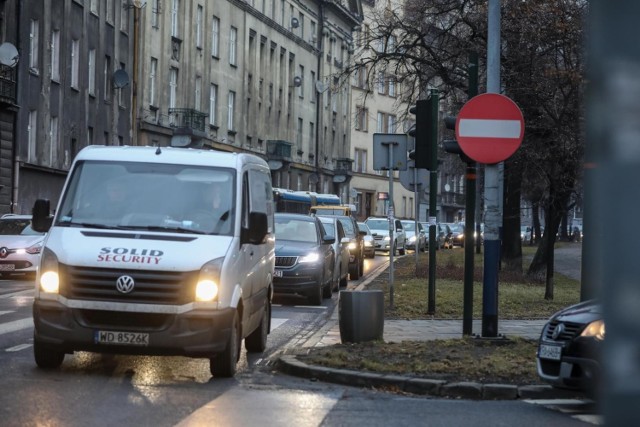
(149, 196)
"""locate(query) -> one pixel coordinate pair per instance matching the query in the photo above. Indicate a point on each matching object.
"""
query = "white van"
(142, 257)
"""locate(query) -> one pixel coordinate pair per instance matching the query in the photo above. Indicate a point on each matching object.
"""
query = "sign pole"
(391, 214)
(493, 215)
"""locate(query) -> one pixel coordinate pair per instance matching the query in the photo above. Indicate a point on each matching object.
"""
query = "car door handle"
(251, 253)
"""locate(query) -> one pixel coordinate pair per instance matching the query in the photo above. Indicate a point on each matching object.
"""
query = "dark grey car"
(304, 257)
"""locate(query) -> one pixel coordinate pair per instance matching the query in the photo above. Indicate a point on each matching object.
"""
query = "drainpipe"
(319, 101)
(16, 153)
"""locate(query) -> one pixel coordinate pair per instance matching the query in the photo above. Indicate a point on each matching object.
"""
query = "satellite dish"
(297, 81)
(447, 187)
(295, 23)
(321, 87)
(8, 54)
(120, 79)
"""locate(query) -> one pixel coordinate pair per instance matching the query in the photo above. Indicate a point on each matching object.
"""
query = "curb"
(289, 364)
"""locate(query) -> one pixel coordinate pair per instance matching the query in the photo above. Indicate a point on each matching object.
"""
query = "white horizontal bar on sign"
(481, 128)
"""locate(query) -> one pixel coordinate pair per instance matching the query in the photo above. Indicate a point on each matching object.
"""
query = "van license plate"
(7, 267)
(277, 273)
(121, 338)
(552, 352)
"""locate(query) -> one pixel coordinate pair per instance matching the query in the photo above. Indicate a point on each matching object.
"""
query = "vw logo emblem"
(125, 284)
(559, 330)
(4, 252)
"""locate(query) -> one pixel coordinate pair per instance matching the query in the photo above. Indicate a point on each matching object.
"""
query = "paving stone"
(499, 391)
(463, 390)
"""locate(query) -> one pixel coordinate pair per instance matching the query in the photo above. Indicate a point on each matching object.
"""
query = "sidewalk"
(568, 262)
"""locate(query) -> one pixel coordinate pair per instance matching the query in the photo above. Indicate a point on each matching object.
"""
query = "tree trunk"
(536, 234)
(511, 243)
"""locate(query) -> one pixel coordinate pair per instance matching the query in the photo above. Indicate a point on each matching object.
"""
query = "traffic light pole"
(390, 215)
(434, 101)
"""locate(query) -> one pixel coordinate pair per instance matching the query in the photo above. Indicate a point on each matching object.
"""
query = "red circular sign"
(489, 128)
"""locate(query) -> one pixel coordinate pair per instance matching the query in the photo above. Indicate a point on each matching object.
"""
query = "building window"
(155, 11)
(55, 55)
(299, 136)
(301, 75)
(92, 72)
(362, 115)
(215, 37)
(392, 86)
(110, 12)
(75, 63)
(312, 136)
(198, 94)
(231, 106)
(360, 160)
(381, 83)
(34, 41)
(213, 104)
(233, 40)
(107, 78)
(124, 16)
(301, 23)
(175, 8)
(386, 123)
(312, 86)
(53, 138)
(199, 16)
(32, 131)
(173, 87)
(121, 90)
(153, 71)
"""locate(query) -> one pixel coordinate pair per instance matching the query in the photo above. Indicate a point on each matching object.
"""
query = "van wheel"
(224, 364)
(344, 280)
(403, 250)
(46, 357)
(256, 342)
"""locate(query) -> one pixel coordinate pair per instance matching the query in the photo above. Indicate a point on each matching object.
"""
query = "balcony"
(8, 86)
(452, 199)
(344, 166)
(187, 118)
(278, 149)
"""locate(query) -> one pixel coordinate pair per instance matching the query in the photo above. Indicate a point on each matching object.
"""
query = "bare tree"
(425, 44)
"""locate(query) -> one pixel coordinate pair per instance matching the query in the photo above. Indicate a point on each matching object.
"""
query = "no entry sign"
(489, 128)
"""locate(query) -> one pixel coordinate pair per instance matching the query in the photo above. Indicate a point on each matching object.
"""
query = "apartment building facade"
(72, 89)
(257, 76)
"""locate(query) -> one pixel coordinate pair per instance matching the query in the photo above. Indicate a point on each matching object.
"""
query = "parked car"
(457, 234)
(369, 241)
(20, 246)
(444, 236)
(525, 233)
(334, 227)
(380, 230)
(570, 346)
(356, 246)
(415, 240)
(304, 257)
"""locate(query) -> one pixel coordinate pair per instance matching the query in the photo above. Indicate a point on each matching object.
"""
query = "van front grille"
(150, 286)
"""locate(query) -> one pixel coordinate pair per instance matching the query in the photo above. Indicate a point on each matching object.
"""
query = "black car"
(304, 257)
(570, 346)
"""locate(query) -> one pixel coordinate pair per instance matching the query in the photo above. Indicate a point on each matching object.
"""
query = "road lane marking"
(19, 347)
(275, 322)
(6, 312)
(18, 294)
(16, 325)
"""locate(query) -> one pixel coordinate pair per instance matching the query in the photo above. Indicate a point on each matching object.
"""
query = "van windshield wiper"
(86, 225)
(165, 228)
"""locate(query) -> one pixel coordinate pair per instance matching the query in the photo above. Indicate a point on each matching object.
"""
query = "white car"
(20, 246)
(380, 230)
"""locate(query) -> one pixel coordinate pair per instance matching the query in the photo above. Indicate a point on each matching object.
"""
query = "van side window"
(261, 194)
(245, 200)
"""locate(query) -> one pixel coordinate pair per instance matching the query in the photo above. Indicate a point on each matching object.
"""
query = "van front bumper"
(195, 333)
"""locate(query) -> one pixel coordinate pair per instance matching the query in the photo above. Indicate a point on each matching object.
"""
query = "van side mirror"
(258, 229)
(41, 218)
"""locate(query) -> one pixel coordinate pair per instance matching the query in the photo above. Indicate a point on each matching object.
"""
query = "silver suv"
(380, 230)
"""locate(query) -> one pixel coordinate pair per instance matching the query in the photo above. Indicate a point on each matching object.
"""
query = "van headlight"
(412, 239)
(595, 330)
(387, 238)
(352, 246)
(207, 288)
(309, 258)
(49, 277)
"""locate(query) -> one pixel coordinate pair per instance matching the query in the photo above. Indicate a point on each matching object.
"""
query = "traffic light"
(425, 132)
(451, 145)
